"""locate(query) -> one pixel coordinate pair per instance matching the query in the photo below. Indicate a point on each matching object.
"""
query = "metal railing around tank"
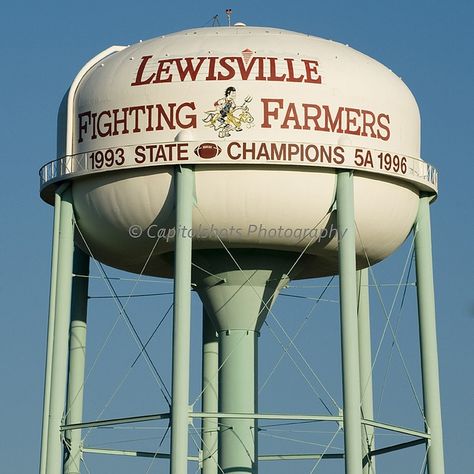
(416, 169)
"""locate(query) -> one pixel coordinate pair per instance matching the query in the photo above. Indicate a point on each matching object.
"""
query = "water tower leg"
(348, 309)
(428, 345)
(237, 394)
(77, 359)
(61, 334)
(49, 350)
(184, 180)
(210, 367)
(365, 364)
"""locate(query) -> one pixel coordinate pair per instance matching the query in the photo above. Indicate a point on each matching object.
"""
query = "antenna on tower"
(228, 12)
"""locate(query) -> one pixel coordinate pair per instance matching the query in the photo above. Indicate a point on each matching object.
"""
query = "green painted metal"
(238, 393)
(396, 429)
(428, 344)
(116, 421)
(261, 416)
(77, 359)
(398, 447)
(210, 368)
(184, 181)
(49, 346)
(135, 454)
(270, 416)
(300, 457)
(365, 365)
(238, 299)
(349, 330)
(62, 316)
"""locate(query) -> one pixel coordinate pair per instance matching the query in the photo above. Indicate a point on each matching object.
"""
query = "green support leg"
(49, 346)
(428, 345)
(365, 364)
(77, 359)
(237, 394)
(181, 322)
(54, 458)
(210, 367)
(348, 309)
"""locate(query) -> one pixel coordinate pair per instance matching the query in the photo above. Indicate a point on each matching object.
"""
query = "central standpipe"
(237, 300)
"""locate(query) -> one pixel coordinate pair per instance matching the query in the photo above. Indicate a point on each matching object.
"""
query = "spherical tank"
(266, 117)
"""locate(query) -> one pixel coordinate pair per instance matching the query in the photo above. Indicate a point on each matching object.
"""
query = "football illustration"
(207, 150)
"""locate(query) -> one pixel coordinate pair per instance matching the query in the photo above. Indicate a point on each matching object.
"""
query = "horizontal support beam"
(391, 449)
(264, 457)
(300, 457)
(266, 416)
(245, 416)
(376, 452)
(116, 421)
(397, 447)
(397, 429)
(137, 454)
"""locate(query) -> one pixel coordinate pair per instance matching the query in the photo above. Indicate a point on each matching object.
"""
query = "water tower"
(216, 145)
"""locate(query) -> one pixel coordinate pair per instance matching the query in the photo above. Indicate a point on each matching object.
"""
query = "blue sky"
(44, 44)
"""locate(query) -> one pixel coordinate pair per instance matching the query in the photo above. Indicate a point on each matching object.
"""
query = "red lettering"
(293, 150)
(230, 147)
(226, 68)
(383, 121)
(352, 121)
(135, 110)
(273, 75)
(190, 118)
(262, 152)
(368, 122)
(140, 158)
(139, 81)
(245, 71)
(291, 72)
(267, 113)
(224, 62)
(122, 121)
(312, 74)
(310, 157)
(261, 69)
(163, 68)
(339, 155)
(211, 75)
(308, 117)
(182, 152)
(291, 116)
(333, 124)
(190, 69)
(83, 125)
(161, 114)
(108, 125)
(278, 151)
(149, 127)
